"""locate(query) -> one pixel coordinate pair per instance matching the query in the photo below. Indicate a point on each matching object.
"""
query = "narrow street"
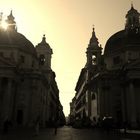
(66, 133)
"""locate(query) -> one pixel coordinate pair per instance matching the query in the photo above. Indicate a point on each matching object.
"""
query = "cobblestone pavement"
(66, 133)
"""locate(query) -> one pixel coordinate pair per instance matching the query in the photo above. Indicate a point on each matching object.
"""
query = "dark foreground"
(67, 133)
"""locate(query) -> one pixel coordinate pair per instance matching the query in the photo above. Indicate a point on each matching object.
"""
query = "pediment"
(4, 62)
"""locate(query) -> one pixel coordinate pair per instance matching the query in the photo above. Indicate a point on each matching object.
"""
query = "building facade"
(86, 103)
(28, 89)
(72, 115)
(112, 78)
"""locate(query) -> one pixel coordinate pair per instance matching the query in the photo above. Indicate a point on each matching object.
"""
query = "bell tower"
(93, 51)
(93, 65)
(133, 20)
(44, 53)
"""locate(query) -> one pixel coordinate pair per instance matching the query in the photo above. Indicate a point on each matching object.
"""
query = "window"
(94, 60)
(22, 59)
(33, 63)
(41, 59)
(22, 79)
(129, 56)
(93, 96)
(116, 60)
(1, 53)
(20, 116)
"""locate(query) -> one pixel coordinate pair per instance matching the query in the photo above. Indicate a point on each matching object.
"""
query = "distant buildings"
(28, 89)
(109, 84)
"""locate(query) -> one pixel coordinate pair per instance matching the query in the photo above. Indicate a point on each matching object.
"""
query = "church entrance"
(19, 117)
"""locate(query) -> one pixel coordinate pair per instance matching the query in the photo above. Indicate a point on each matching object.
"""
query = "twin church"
(28, 89)
(109, 84)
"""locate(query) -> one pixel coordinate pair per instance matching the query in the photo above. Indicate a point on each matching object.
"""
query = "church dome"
(11, 38)
(115, 42)
(127, 38)
(15, 39)
(121, 40)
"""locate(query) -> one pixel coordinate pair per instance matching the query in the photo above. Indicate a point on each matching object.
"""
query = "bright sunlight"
(4, 25)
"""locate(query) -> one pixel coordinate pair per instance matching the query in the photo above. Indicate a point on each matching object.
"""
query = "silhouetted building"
(72, 115)
(28, 89)
(86, 103)
(109, 83)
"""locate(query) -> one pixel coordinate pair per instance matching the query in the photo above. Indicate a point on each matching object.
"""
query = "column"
(88, 93)
(7, 99)
(98, 101)
(89, 103)
(1, 101)
(124, 103)
(132, 104)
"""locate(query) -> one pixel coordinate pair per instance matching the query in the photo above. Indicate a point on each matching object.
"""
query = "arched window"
(41, 59)
(94, 60)
(22, 59)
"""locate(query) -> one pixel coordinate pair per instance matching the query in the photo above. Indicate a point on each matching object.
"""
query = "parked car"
(77, 124)
(107, 122)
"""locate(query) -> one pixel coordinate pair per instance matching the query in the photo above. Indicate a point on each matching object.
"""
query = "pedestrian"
(93, 123)
(55, 127)
(5, 126)
(125, 127)
(37, 126)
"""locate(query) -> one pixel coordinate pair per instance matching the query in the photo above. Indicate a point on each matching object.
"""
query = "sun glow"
(4, 25)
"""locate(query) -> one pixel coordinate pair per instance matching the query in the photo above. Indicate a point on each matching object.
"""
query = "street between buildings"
(67, 133)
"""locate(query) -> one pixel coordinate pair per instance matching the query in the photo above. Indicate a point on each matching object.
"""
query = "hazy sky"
(68, 28)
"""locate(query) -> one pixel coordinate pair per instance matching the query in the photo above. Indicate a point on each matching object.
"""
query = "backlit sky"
(67, 25)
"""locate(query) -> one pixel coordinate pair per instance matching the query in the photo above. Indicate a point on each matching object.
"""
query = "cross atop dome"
(44, 39)
(132, 4)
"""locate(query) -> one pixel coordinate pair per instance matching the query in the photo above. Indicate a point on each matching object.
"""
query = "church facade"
(28, 89)
(109, 84)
